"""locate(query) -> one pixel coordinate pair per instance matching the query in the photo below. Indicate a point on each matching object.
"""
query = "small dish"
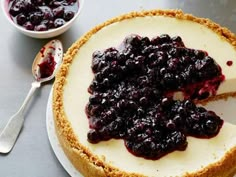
(41, 34)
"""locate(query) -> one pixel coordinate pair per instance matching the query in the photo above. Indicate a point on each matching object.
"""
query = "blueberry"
(36, 18)
(199, 54)
(176, 39)
(95, 99)
(58, 12)
(50, 24)
(29, 26)
(97, 54)
(94, 110)
(170, 125)
(152, 57)
(93, 136)
(55, 4)
(178, 120)
(166, 46)
(174, 52)
(166, 102)
(59, 22)
(37, 2)
(164, 38)
(130, 64)
(41, 27)
(143, 101)
(145, 41)
(155, 40)
(21, 19)
(105, 82)
(169, 80)
(140, 112)
(211, 127)
(173, 64)
(180, 140)
(14, 11)
(134, 95)
(97, 65)
(203, 95)
(189, 104)
(68, 15)
(47, 13)
(121, 104)
(132, 40)
(181, 110)
(69, 2)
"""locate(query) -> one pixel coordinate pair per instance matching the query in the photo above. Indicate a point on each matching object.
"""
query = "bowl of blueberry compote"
(42, 18)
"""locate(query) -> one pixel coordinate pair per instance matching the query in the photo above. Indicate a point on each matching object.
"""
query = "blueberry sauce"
(132, 95)
(42, 15)
(47, 66)
(229, 63)
(42, 51)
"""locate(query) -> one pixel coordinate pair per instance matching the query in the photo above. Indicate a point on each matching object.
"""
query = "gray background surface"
(32, 156)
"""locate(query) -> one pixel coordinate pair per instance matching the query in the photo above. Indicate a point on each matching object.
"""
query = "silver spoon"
(44, 67)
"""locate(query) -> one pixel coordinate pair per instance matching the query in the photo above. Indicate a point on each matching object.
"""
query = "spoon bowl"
(44, 68)
(47, 61)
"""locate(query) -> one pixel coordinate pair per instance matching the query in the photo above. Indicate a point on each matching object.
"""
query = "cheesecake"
(206, 148)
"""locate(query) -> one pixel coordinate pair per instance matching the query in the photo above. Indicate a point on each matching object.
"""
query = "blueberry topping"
(132, 95)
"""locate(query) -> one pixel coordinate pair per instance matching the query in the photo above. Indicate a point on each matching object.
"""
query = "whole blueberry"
(59, 22)
(68, 15)
(21, 19)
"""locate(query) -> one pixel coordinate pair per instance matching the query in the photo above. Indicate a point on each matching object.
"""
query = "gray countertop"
(32, 156)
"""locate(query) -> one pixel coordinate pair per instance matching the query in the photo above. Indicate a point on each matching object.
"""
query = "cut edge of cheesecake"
(81, 157)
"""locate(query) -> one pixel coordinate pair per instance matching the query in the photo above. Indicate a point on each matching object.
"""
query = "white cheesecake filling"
(200, 152)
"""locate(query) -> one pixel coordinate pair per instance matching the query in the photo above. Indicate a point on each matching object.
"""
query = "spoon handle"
(11, 131)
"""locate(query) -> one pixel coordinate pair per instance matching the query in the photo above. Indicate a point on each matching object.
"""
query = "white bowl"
(41, 34)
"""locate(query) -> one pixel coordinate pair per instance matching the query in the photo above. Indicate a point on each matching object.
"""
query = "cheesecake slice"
(213, 156)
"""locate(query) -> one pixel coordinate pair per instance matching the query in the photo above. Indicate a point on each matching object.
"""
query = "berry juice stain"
(51, 47)
(229, 63)
(42, 51)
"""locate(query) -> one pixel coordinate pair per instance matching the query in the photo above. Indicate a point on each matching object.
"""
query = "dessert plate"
(55, 142)
(224, 108)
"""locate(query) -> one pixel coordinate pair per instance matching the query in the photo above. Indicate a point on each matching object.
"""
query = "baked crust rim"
(81, 157)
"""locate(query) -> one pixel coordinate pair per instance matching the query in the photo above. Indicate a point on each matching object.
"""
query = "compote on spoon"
(44, 67)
